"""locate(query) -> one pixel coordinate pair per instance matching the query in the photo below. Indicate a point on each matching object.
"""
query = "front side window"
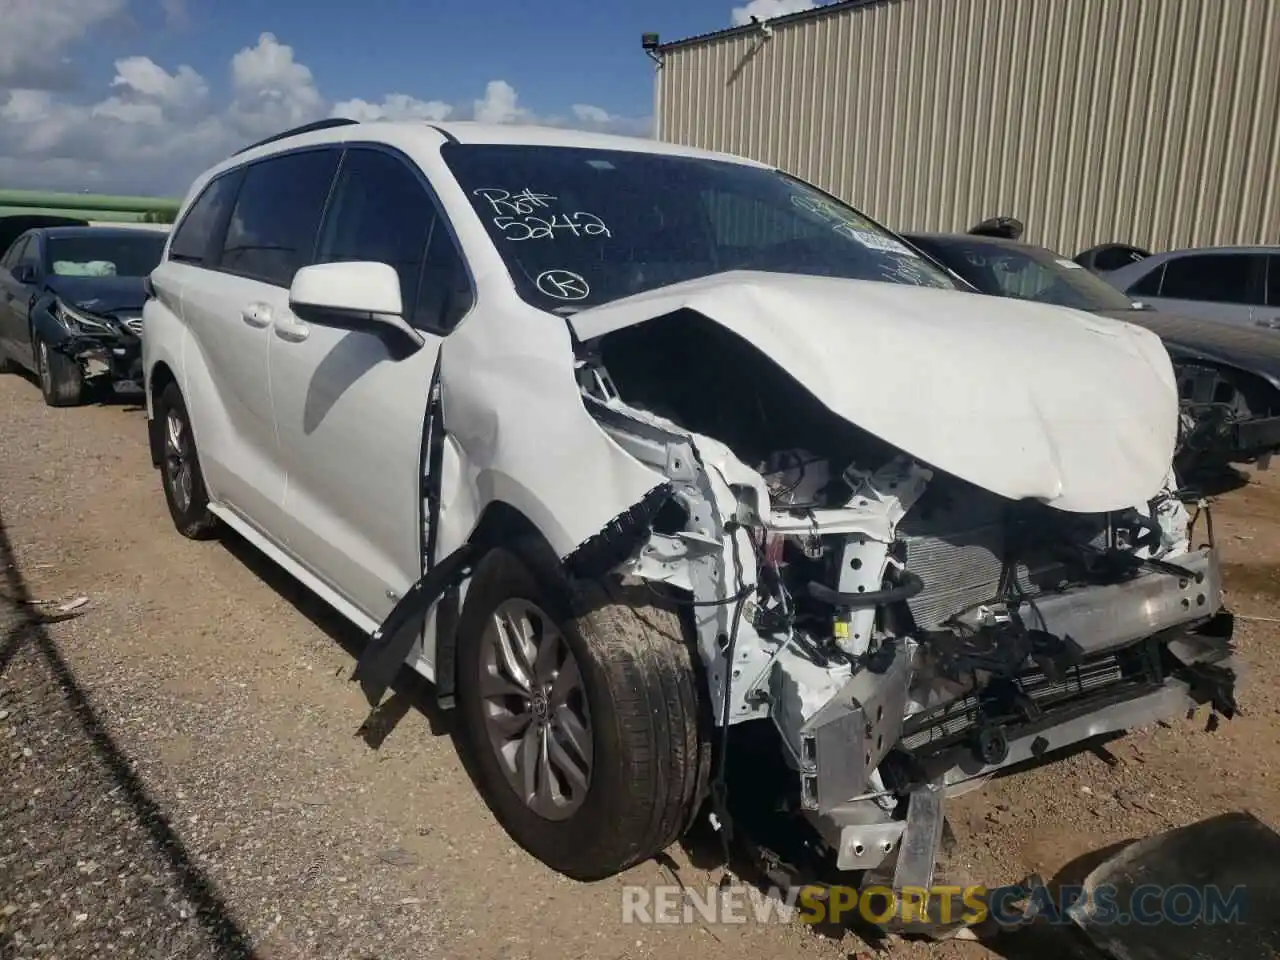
(1273, 280)
(104, 255)
(195, 237)
(13, 256)
(273, 227)
(382, 212)
(579, 227)
(1215, 277)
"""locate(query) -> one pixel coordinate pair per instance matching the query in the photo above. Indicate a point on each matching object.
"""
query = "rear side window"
(1215, 277)
(1273, 281)
(381, 211)
(195, 238)
(273, 226)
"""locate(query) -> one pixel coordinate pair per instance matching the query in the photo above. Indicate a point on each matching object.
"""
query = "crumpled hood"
(101, 295)
(1023, 399)
(1250, 348)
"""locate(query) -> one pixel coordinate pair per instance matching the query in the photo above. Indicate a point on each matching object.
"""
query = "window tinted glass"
(194, 239)
(104, 254)
(1219, 277)
(31, 252)
(445, 294)
(382, 212)
(1273, 281)
(14, 255)
(1148, 286)
(580, 227)
(1024, 272)
(273, 226)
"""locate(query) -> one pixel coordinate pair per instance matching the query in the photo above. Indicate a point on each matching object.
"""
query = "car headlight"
(77, 321)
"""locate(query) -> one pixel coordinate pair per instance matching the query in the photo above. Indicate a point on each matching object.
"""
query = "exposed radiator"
(955, 541)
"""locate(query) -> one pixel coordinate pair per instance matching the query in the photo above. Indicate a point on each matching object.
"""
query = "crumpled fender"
(46, 325)
(516, 420)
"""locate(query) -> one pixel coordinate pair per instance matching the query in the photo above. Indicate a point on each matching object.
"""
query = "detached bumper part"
(1257, 436)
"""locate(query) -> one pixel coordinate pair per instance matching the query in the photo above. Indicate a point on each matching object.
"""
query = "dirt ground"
(186, 770)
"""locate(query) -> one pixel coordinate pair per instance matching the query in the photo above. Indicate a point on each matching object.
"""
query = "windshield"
(105, 255)
(581, 227)
(1024, 272)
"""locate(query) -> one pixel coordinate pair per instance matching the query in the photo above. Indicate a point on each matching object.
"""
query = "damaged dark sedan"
(71, 307)
(1228, 377)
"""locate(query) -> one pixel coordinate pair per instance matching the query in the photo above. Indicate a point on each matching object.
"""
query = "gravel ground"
(189, 773)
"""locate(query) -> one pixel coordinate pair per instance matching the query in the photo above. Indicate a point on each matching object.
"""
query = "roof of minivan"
(404, 132)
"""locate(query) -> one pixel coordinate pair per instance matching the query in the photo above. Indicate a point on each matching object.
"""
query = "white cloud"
(499, 104)
(394, 106)
(153, 128)
(589, 114)
(36, 34)
(768, 9)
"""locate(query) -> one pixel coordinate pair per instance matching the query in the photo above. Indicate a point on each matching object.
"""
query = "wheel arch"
(158, 379)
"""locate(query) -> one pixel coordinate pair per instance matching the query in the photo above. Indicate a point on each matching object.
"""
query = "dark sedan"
(71, 306)
(1228, 378)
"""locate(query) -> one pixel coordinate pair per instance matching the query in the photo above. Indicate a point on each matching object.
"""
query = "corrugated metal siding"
(1154, 122)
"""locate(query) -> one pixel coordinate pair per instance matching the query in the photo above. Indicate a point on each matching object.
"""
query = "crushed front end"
(899, 633)
(107, 345)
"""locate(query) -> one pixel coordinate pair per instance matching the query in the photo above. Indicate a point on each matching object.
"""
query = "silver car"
(1237, 285)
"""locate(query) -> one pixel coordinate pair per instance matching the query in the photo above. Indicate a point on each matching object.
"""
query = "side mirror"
(24, 273)
(354, 295)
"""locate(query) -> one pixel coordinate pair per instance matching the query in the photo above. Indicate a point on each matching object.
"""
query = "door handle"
(290, 330)
(257, 315)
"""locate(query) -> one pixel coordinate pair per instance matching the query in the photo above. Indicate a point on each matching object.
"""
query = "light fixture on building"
(652, 47)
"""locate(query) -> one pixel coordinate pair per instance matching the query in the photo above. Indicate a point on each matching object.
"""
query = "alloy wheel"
(535, 709)
(177, 459)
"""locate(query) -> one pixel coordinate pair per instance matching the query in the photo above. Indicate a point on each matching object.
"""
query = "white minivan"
(697, 489)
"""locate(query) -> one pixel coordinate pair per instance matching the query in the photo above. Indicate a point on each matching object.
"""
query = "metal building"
(1153, 122)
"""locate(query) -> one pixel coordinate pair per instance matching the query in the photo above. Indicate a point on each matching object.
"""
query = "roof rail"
(305, 128)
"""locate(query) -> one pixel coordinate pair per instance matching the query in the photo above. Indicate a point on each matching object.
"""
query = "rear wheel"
(183, 482)
(61, 377)
(586, 731)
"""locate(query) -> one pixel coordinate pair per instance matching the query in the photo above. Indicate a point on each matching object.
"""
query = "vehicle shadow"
(226, 938)
(1216, 482)
(409, 691)
(97, 394)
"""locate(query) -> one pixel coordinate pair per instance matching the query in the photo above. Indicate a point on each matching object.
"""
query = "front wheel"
(61, 377)
(587, 731)
(183, 482)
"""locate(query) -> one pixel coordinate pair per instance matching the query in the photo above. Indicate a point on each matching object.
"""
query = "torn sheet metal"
(1091, 402)
(516, 422)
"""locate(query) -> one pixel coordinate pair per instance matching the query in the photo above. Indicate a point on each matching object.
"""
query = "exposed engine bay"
(900, 631)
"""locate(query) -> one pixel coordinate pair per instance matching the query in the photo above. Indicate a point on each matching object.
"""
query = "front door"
(349, 414)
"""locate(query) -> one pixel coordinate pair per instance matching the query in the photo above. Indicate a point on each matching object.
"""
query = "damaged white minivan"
(693, 489)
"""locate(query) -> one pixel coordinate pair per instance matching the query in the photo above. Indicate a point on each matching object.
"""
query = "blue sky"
(554, 53)
(141, 95)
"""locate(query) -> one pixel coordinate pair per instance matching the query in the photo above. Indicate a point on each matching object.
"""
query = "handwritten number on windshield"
(515, 216)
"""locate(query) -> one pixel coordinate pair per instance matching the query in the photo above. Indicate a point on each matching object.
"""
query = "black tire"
(61, 378)
(192, 517)
(648, 723)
